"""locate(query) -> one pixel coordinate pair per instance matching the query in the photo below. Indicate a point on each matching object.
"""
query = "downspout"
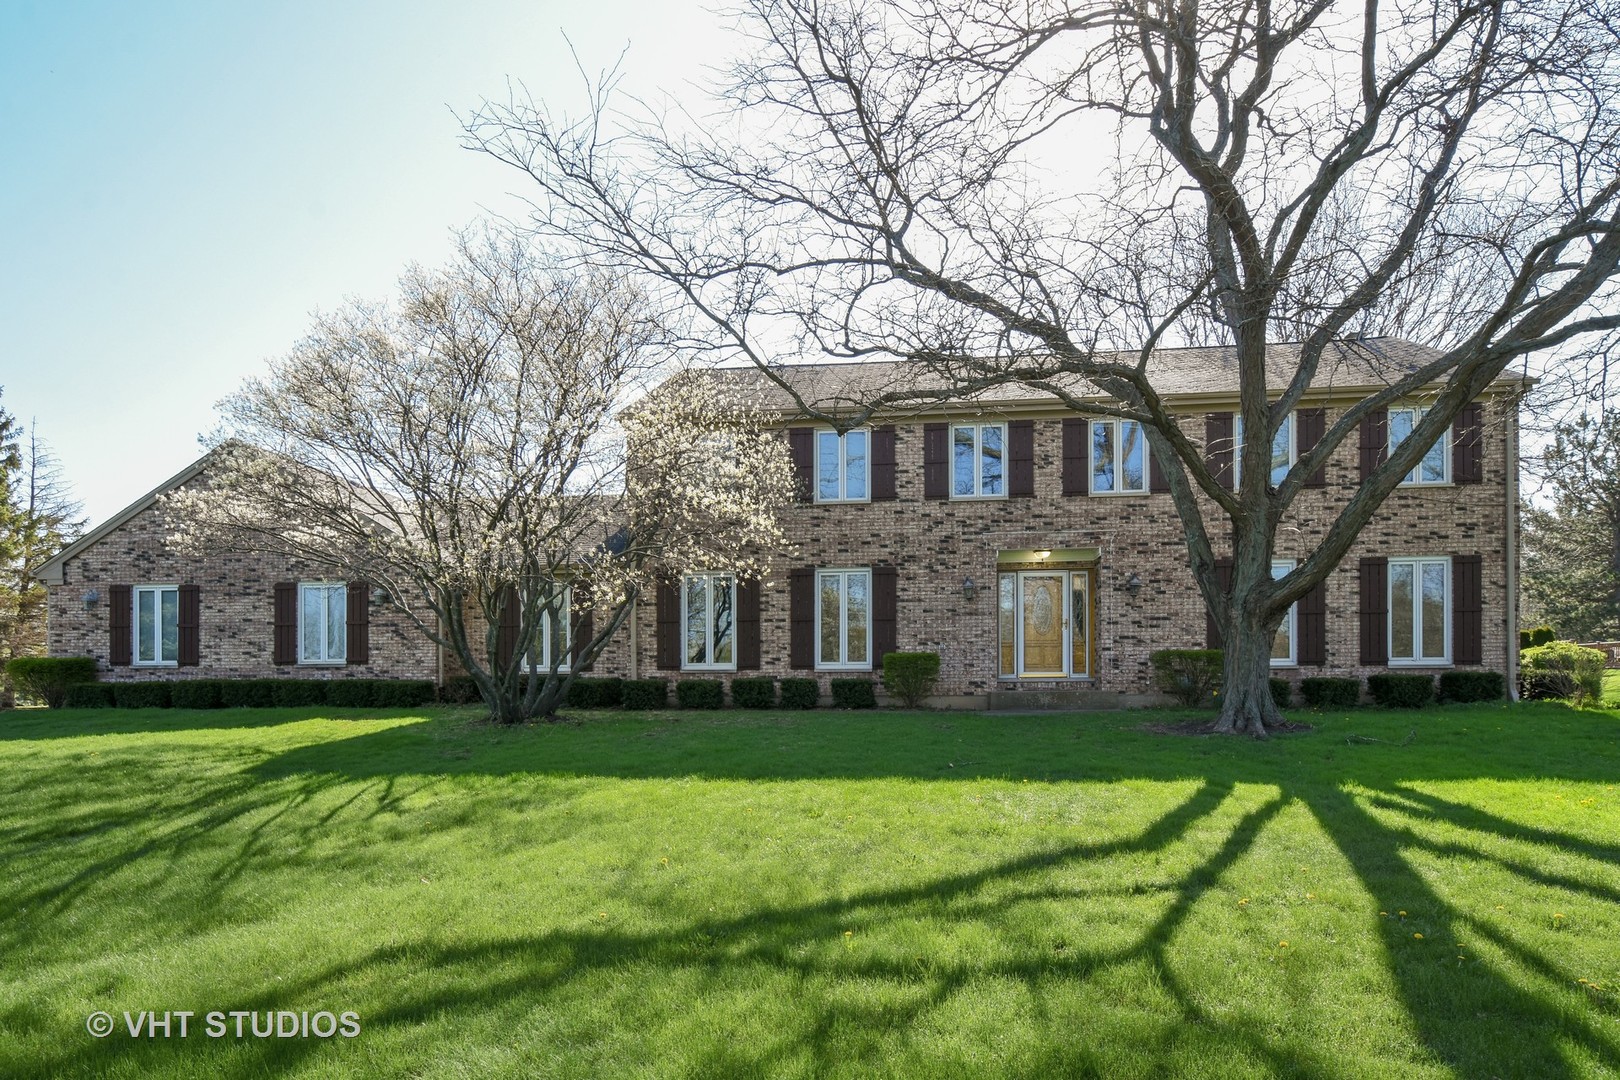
(1511, 549)
(635, 657)
(438, 648)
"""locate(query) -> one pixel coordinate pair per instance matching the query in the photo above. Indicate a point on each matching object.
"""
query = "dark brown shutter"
(510, 627)
(1468, 447)
(1467, 610)
(1374, 443)
(801, 449)
(581, 625)
(669, 626)
(120, 649)
(1374, 611)
(1218, 447)
(1312, 425)
(1158, 482)
(1076, 456)
(1021, 459)
(284, 633)
(357, 646)
(885, 613)
(1223, 584)
(747, 624)
(190, 626)
(802, 618)
(936, 457)
(883, 455)
(1313, 626)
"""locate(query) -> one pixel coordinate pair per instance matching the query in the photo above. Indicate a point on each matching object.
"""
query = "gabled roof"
(50, 571)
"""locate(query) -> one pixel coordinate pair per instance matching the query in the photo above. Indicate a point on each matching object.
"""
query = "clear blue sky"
(181, 184)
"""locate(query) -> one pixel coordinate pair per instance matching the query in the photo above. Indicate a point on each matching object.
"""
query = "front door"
(1043, 624)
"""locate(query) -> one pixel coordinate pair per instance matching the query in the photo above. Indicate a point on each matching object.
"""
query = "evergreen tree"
(1572, 544)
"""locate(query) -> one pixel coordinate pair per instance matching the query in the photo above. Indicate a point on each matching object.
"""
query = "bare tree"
(465, 449)
(916, 180)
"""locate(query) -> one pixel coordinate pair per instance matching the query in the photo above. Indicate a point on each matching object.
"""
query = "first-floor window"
(843, 619)
(1419, 602)
(976, 461)
(1282, 645)
(322, 622)
(707, 604)
(1118, 457)
(552, 639)
(157, 624)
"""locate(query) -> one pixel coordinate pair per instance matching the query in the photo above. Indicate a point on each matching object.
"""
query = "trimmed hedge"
(1328, 692)
(910, 676)
(141, 695)
(1191, 676)
(298, 693)
(586, 692)
(1467, 686)
(854, 693)
(645, 693)
(195, 694)
(1547, 685)
(1401, 690)
(247, 693)
(1282, 692)
(379, 693)
(700, 693)
(1536, 635)
(90, 695)
(1585, 666)
(753, 693)
(800, 693)
(47, 678)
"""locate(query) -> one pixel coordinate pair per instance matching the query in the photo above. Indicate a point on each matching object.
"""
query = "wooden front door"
(1043, 624)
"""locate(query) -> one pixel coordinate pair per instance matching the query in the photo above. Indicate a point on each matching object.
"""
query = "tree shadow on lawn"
(35, 725)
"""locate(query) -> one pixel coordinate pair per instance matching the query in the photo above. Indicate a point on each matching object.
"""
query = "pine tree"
(1572, 544)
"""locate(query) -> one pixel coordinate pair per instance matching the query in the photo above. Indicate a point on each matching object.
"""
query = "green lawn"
(1428, 894)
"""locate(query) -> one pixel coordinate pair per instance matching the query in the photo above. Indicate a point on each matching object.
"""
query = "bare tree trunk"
(1247, 707)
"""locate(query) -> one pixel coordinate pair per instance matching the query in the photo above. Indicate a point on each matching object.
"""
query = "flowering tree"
(465, 450)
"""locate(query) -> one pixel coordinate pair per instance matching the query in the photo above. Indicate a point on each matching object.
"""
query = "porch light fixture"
(1133, 583)
(91, 599)
(1043, 555)
(968, 588)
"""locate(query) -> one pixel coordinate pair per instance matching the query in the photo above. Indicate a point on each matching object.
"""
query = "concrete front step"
(1069, 700)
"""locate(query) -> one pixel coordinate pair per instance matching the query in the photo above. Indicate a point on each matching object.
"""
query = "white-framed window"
(1435, 467)
(1420, 611)
(843, 466)
(978, 461)
(554, 637)
(1119, 458)
(843, 619)
(323, 622)
(708, 607)
(156, 622)
(1282, 451)
(1284, 645)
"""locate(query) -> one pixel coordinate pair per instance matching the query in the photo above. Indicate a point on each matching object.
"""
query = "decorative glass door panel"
(1044, 624)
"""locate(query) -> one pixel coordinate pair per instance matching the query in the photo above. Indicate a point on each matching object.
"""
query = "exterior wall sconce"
(968, 588)
(379, 596)
(1133, 583)
(91, 599)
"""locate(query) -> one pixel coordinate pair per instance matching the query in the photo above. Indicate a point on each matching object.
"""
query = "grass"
(817, 894)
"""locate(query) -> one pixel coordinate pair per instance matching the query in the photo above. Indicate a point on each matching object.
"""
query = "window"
(977, 468)
(841, 464)
(1282, 451)
(1282, 645)
(843, 619)
(1435, 468)
(322, 622)
(1419, 600)
(1118, 457)
(553, 639)
(707, 604)
(157, 624)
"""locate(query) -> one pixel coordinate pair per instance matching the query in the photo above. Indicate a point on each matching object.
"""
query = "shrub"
(47, 678)
(141, 695)
(645, 693)
(700, 693)
(459, 690)
(854, 693)
(910, 676)
(1537, 635)
(352, 693)
(1585, 666)
(195, 694)
(800, 694)
(400, 693)
(753, 693)
(1282, 692)
(1466, 686)
(90, 695)
(590, 693)
(248, 693)
(1327, 692)
(294, 693)
(1400, 690)
(1191, 676)
(1546, 685)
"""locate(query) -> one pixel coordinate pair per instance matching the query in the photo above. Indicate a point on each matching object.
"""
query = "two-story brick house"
(1032, 547)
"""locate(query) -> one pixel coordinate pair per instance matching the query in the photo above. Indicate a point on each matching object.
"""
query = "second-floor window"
(708, 602)
(1118, 457)
(157, 624)
(322, 622)
(1282, 451)
(1435, 466)
(978, 468)
(841, 466)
